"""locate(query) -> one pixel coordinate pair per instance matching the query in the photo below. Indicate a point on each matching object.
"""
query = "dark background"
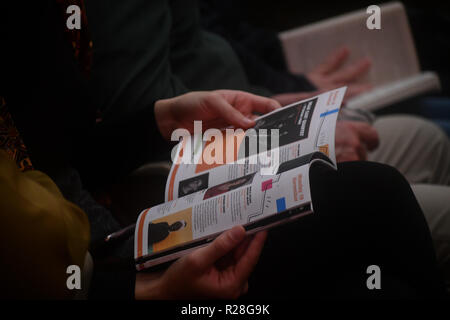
(285, 14)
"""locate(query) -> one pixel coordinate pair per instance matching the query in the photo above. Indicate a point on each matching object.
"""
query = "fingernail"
(248, 122)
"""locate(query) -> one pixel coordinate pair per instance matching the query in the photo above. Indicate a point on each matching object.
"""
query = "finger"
(353, 72)
(334, 61)
(234, 255)
(242, 248)
(367, 134)
(253, 103)
(221, 123)
(205, 257)
(221, 108)
(248, 260)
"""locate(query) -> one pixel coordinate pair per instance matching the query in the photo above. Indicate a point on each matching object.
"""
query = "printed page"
(298, 129)
(202, 215)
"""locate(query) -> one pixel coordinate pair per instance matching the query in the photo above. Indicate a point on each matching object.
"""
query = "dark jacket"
(54, 109)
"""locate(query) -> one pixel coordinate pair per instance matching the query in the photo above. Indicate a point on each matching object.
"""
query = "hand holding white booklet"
(255, 186)
(395, 73)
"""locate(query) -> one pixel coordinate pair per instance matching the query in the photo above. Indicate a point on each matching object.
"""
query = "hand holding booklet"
(257, 178)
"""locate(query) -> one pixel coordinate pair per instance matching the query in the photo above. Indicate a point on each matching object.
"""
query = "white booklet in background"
(395, 72)
(203, 200)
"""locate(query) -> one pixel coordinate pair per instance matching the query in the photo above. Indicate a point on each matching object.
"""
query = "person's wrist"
(149, 287)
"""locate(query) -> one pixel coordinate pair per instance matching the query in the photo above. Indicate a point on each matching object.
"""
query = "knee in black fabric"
(360, 186)
(354, 175)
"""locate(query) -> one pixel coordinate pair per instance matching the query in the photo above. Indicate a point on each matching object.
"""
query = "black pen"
(122, 233)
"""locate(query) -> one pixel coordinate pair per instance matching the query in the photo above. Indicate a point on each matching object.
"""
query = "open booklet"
(395, 73)
(257, 178)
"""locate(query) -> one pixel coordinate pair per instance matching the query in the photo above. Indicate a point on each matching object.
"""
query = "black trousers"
(364, 214)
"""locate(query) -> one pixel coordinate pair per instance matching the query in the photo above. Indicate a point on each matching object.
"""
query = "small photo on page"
(228, 186)
(292, 122)
(192, 185)
(170, 231)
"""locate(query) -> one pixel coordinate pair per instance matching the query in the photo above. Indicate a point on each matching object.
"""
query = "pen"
(122, 233)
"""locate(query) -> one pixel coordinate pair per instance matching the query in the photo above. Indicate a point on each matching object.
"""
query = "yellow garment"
(41, 234)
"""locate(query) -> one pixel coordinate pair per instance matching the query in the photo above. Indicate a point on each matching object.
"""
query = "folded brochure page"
(205, 197)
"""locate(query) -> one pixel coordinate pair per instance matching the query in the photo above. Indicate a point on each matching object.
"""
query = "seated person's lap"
(365, 214)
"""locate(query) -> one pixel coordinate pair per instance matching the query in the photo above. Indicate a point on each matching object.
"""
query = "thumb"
(226, 242)
(231, 115)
